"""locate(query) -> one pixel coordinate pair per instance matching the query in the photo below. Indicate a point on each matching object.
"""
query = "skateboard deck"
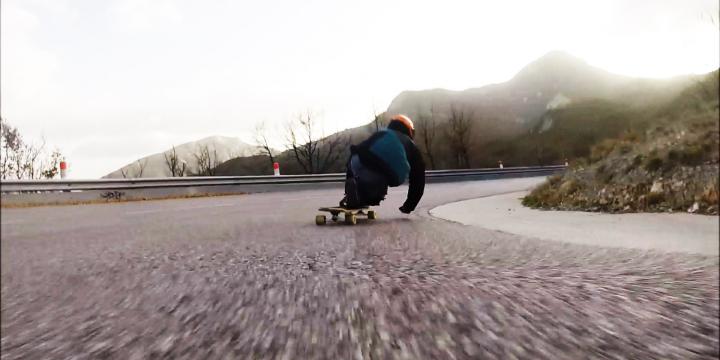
(349, 215)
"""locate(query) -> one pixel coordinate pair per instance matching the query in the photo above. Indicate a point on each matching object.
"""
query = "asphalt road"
(252, 277)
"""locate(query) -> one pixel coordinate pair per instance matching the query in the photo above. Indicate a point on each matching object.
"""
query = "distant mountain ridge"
(513, 107)
(155, 165)
(533, 118)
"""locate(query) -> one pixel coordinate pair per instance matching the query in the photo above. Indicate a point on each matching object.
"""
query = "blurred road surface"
(252, 277)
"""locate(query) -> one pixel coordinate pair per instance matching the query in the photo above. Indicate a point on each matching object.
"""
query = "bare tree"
(18, 161)
(51, 166)
(262, 142)
(331, 148)
(141, 167)
(176, 166)
(36, 159)
(427, 129)
(134, 172)
(10, 145)
(27, 160)
(459, 133)
(23, 160)
(314, 153)
(206, 160)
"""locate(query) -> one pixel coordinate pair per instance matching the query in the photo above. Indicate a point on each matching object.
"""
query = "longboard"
(349, 215)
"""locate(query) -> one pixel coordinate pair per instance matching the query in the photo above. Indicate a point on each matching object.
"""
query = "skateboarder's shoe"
(345, 204)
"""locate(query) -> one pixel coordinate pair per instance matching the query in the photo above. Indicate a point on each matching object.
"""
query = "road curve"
(252, 277)
(676, 232)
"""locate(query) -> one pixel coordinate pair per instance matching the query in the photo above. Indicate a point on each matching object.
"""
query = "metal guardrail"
(22, 186)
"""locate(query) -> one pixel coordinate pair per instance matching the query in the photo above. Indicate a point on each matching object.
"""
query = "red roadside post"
(63, 169)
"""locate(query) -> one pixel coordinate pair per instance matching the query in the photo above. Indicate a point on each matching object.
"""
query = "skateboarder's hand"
(405, 210)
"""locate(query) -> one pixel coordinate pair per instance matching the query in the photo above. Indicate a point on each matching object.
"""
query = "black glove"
(405, 210)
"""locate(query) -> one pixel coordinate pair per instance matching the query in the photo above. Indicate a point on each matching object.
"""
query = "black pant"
(363, 187)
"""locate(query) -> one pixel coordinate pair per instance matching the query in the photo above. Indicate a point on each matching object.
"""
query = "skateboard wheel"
(350, 219)
(371, 214)
(320, 220)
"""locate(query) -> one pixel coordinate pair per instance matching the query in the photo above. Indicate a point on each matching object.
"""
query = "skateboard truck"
(349, 215)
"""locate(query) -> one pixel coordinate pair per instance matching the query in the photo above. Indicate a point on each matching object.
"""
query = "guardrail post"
(276, 168)
(63, 169)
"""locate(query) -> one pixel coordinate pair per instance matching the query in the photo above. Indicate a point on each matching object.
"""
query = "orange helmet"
(405, 120)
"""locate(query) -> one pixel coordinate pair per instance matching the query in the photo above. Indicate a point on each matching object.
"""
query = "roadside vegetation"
(21, 159)
(665, 159)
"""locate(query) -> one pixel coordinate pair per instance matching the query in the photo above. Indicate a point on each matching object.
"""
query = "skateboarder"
(386, 158)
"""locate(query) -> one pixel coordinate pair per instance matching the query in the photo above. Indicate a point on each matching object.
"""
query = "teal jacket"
(393, 153)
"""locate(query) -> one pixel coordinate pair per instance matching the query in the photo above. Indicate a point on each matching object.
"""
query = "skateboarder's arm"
(417, 178)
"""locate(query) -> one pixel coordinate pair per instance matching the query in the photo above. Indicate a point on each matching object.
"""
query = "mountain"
(554, 108)
(511, 108)
(155, 166)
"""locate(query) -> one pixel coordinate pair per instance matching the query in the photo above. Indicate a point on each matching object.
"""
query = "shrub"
(544, 195)
(668, 165)
(692, 155)
(624, 148)
(603, 174)
(710, 195)
(600, 169)
(630, 136)
(605, 178)
(554, 180)
(653, 163)
(569, 187)
(602, 149)
(654, 198)
(531, 201)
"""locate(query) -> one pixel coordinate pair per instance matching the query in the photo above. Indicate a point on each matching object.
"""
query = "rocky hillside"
(566, 132)
(221, 149)
(667, 162)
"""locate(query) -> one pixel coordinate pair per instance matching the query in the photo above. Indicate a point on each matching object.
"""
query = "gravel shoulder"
(676, 232)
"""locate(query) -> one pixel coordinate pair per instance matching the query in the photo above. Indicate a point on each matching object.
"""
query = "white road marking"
(150, 211)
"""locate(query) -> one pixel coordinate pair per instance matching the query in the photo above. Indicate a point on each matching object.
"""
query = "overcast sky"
(114, 80)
